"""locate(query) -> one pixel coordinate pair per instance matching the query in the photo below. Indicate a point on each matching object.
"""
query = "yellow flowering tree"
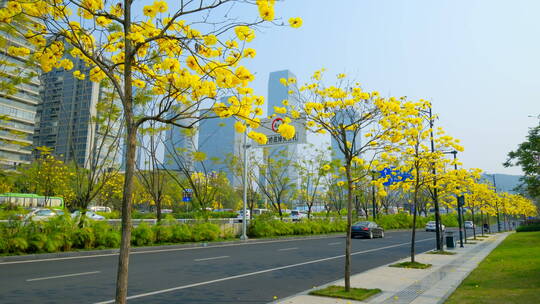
(420, 159)
(47, 176)
(180, 61)
(343, 111)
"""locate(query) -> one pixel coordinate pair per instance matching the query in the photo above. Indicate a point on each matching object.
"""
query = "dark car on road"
(367, 229)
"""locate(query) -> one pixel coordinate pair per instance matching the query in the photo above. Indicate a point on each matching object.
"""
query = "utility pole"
(373, 201)
(497, 204)
(459, 204)
(244, 217)
(435, 193)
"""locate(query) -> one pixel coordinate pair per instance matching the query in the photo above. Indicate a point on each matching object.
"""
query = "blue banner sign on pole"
(394, 176)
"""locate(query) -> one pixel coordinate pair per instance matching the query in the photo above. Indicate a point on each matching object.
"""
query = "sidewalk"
(415, 286)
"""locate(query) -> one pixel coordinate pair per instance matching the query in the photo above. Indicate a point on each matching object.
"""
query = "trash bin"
(450, 239)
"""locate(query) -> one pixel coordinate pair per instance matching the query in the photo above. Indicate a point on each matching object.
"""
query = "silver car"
(430, 226)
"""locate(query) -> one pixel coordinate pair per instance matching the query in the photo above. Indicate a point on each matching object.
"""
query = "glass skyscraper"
(220, 142)
(18, 103)
(66, 119)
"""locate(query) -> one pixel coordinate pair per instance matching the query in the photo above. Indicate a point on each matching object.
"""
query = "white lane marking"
(163, 250)
(287, 249)
(335, 243)
(214, 258)
(63, 276)
(141, 295)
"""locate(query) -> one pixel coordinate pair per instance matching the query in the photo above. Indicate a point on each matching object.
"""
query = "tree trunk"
(413, 234)
(123, 258)
(158, 210)
(131, 143)
(474, 224)
(349, 224)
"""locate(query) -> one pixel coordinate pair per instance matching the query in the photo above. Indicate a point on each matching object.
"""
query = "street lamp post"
(459, 204)
(245, 179)
(373, 201)
(435, 192)
(496, 204)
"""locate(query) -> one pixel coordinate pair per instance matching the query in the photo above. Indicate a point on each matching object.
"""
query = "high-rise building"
(66, 119)
(277, 92)
(18, 102)
(179, 145)
(219, 141)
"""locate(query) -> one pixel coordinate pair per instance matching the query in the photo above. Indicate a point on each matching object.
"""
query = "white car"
(430, 226)
(297, 215)
(100, 209)
(240, 215)
(469, 225)
(42, 214)
(89, 214)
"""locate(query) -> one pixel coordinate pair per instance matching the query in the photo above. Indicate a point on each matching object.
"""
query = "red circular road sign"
(276, 123)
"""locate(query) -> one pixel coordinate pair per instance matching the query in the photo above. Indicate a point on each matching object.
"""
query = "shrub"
(163, 233)
(105, 235)
(205, 232)
(17, 245)
(54, 242)
(37, 242)
(142, 235)
(84, 238)
(181, 233)
(528, 228)
(260, 228)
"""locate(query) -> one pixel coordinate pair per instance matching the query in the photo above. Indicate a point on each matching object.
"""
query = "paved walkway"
(414, 286)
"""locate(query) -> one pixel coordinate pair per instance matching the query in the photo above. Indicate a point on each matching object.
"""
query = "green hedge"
(528, 228)
(64, 234)
(262, 227)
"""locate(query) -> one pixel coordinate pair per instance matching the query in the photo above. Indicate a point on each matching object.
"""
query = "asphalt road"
(239, 273)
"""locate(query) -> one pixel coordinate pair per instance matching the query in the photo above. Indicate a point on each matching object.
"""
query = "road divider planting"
(65, 234)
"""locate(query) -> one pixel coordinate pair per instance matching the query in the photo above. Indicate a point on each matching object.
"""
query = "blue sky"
(478, 61)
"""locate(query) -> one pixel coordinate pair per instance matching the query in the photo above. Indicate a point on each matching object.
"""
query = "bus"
(28, 200)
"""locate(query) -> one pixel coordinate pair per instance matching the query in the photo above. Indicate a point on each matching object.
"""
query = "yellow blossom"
(295, 22)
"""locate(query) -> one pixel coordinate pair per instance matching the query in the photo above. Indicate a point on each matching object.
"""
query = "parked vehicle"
(297, 215)
(430, 226)
(469, 225)
(89, 214)
(240, 215)
(100, 209)
(367, 229)
(42, 214)
(259, 211)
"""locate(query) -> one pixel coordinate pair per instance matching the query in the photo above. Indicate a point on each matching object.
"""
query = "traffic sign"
(187, 195)
(269, 127)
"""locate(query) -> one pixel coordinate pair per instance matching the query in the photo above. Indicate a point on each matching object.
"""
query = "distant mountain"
(505, 182)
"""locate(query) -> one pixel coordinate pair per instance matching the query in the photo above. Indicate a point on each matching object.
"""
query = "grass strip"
(509, 274)
(334, 291)
(414, 265)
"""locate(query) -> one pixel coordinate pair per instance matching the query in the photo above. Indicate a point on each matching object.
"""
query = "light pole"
(460, 201)
(435, 192)
(496, 204)
(373, 201)
(244, 218)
